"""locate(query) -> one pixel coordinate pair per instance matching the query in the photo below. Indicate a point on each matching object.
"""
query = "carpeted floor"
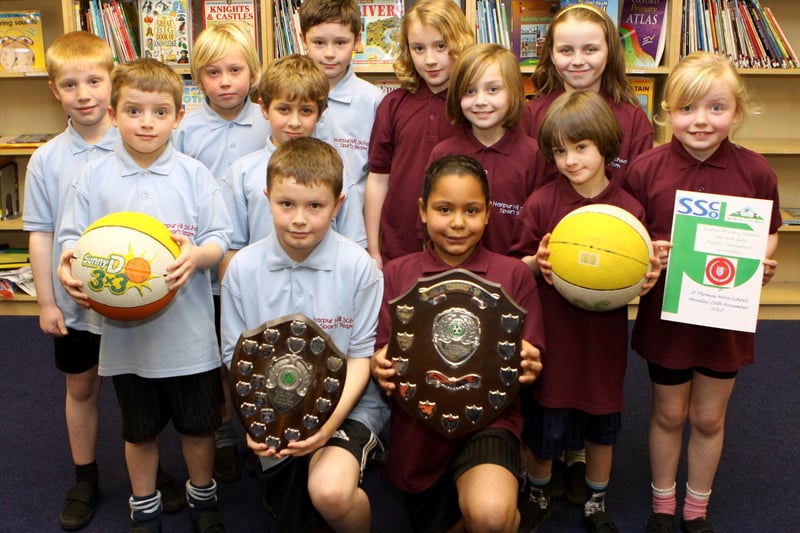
(756, 489)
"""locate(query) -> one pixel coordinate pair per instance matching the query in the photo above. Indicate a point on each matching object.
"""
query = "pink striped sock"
(695, 505)
(664, 500)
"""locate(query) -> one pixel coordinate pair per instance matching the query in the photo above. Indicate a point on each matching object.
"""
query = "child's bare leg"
(670, 411)
(198, 452)
(142, 461)
(333, 477)
(487, 496)
(82, 414)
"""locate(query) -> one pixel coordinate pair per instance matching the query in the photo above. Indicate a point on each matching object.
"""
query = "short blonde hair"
(446, 18)
(78, 47)
(309, 161)
(471, 65)
(693, 76)
(148, 75)
(218, 40)
(294, 77)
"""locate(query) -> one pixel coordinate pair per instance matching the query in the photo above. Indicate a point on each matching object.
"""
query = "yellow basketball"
(122, 259)
(600, 254)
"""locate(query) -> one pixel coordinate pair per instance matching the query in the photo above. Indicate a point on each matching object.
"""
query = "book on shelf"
(790, 216)
(492, 20)
(25, 140)
(644, 88)
(611, 7)
(9, 190)
(114, 22)
(21, 41)
(380, 32)
(193, 97)
(241, 11)
(165, 30)
(529, 22)
(642, 28)
(11, 258)
(286, 28)
(742, 30)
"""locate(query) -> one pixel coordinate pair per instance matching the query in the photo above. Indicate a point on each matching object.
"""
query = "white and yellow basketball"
(122, 259)
(600, 255)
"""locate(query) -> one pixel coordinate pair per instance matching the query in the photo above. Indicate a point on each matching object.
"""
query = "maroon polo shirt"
(407, 126)
(514, 168)
(637, 132)
(418, 456)
(653, 179)
(584, 367)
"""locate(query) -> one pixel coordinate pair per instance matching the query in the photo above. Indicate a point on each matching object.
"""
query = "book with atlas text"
(642, 28)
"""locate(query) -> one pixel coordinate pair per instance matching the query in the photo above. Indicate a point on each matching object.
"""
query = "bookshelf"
(772, 133)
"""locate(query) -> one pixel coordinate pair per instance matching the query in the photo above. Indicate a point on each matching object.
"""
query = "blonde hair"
(218, 40)
(471, 65)
(77, 47)
(692, 78)
(147, 75)
(445, 17)
(294, 77)
(614, 80)
(577, 116)
(309, 161)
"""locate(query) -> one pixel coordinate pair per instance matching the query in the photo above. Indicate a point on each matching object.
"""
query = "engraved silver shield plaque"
(455, 343)
(286, 377)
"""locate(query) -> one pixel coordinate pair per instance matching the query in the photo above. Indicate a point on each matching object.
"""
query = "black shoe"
(173, 497)
(575, 481)
(660, 523)
(226, 464)
(698, 525)
(151, 526)
(534, 508)
(601, 522)
(79, 504)
(207, 522)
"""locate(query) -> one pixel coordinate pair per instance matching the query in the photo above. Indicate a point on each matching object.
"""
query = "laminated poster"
(715, 268)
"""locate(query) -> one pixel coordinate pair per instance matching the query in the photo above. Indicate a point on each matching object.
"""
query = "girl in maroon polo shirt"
(472, 479)
(578, 398)
(485, 102)
(693, 368)
(408, 124)
(582, 50)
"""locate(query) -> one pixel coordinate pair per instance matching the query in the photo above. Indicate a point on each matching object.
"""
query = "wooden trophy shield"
(286, 376)
(455, 343)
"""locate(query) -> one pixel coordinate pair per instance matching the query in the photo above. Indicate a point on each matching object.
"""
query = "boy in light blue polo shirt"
(79, 66)
(331, 31)
(303, 266)
(293, 93)
(164, 367)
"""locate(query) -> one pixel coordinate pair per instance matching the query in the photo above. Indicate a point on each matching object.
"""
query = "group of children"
(335, 201)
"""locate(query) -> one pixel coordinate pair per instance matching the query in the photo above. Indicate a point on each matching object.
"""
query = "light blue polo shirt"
(217, 142)
(243, 189)
(338, 286)
(180, 192)
(347, 125)
(51, 170)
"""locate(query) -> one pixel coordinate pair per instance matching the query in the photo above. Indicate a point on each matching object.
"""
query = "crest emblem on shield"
(287, 377)
(455, 343)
